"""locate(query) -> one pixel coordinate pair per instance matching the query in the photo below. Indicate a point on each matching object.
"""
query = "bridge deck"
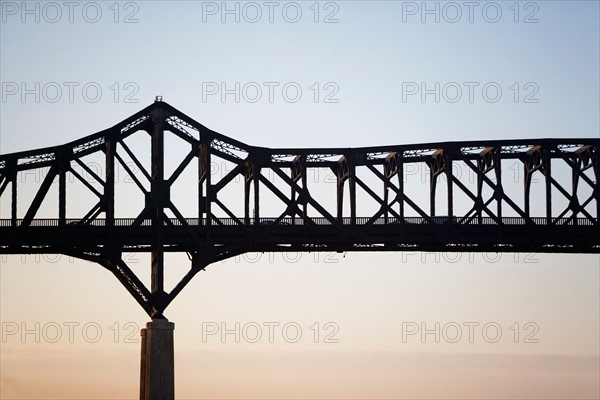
(509, 234)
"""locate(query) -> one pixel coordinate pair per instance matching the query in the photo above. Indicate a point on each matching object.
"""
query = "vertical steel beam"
(596, 166)
(481, 168)
(400, 194)
(247, 185)
(62, 194)
(157, 379)
(498, 191)
(342, 173)
(340, 198)
(448, 170)
(386, 200)
(157, 202)
(203, 172)
(432, 187)
(255, 173)
(352, 186)
(547, 166)
(527, 189)
(575, 171)
(297, 171)
(14, 198)
(304, 200)
(209, 190)
(109, 184)
(390, 168)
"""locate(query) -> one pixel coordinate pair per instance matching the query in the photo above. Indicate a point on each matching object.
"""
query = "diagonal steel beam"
(40, 195)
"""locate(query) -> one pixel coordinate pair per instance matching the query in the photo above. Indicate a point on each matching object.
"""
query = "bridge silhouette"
(279, 209)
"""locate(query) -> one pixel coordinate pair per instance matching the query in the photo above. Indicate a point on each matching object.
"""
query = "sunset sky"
(307, 74)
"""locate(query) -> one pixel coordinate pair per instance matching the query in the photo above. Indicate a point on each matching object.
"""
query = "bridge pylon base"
(157, 375)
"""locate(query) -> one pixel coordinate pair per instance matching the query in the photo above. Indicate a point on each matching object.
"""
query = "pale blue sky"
(368, 54)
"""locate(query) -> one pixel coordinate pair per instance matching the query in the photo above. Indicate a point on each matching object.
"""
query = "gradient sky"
(363, 61)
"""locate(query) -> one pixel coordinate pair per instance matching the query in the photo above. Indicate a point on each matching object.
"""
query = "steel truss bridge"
(554, 208)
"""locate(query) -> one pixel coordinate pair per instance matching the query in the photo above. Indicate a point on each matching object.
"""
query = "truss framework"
(495, 220)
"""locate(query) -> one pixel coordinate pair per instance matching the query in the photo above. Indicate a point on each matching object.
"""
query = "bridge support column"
(157, 377)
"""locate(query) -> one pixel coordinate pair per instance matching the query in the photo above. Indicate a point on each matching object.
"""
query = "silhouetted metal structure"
(492, 219)
(400, 222)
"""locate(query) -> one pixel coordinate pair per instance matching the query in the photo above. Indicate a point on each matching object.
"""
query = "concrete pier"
(157, 376)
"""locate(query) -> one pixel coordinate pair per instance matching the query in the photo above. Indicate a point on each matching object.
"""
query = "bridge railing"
(55, 222)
